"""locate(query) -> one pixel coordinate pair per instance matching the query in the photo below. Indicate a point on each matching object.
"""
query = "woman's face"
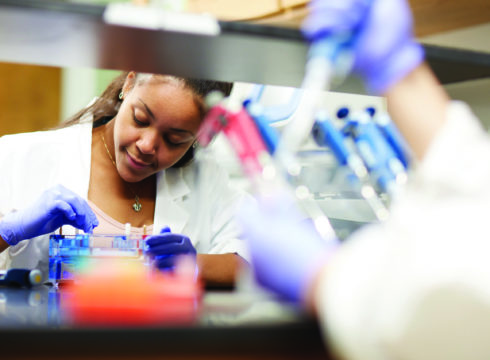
(156, 124)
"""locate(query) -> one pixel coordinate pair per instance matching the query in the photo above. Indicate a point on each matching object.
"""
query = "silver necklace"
(136, 205)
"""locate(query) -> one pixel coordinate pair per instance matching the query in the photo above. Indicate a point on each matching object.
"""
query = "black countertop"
(228, 324)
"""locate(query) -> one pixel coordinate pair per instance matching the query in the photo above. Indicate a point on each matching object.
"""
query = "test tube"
(127, 230)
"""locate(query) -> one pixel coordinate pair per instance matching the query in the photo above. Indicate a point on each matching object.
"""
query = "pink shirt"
(108, 225)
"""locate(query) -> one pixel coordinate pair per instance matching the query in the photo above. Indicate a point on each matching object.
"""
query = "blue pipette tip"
(371, 110)
(342, 113)
(316, 133)
(246, 102)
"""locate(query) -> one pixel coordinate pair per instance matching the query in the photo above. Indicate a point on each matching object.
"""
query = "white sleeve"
(31, 163)
(213, 207)
(418, 286)
(226, 231)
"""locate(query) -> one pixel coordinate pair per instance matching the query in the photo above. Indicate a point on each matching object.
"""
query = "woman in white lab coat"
(418, 285)
(130, 156)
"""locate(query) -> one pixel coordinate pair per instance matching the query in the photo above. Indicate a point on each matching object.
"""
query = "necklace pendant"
(137, 205)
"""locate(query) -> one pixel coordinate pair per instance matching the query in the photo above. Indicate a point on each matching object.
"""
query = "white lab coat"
(200, 206)
(418, 286)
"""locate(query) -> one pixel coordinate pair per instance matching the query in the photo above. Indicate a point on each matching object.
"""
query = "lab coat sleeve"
(12, 156)
(224, 202)
(418, 286)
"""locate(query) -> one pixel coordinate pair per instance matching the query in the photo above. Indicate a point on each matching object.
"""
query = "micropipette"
(383, 164)
(301, 192)
(245, 138)
(268, 134)
(326, 134)
(21, 277)
(326, 58)
(393, 136)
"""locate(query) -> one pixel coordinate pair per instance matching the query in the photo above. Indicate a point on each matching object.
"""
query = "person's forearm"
(3, 245)
(418, 105)
(220, 269)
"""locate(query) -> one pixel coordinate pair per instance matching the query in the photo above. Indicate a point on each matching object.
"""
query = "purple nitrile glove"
(56, 207)
(384, 47)
(166, 246)
(286, 250)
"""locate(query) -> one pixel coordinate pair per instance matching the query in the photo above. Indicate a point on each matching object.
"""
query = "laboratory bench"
(228, 324)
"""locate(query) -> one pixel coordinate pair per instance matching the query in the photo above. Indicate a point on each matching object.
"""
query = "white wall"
(78, 89)
(80, 86)
(477, 94)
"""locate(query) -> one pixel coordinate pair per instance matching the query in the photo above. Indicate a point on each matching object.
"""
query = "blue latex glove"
(166, 246)
(286, 250)
(384, 47)
(56, 207)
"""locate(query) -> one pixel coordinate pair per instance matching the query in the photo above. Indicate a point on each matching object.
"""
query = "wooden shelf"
(430, 16)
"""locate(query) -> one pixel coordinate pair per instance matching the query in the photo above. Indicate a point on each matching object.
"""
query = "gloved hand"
(56, 207)
(286, 250)
(166, 246)
(384, 47)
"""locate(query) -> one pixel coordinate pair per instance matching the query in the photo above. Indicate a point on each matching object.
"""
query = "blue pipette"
(21, 278)
(270, 137)
(267, 132)
(328, 58)
(326, 134)
(380, 159)
(392, 136)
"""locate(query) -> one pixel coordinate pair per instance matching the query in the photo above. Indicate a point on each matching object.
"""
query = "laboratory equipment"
(233, 120)
(275, 113)
(328, 59)
(379, 152)
(69, 253)
(325, 133)
(20, 277)
(119, 292)
(393, 136)
(107, 280)
(262, 121)
(242, 132)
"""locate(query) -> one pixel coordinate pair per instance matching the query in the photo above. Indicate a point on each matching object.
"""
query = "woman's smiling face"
(156, 124)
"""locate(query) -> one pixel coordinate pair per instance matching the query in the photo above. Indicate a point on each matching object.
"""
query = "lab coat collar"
(172, 189)
(176, 184)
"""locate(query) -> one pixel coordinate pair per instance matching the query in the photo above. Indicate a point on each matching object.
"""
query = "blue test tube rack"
(68, 252)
